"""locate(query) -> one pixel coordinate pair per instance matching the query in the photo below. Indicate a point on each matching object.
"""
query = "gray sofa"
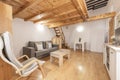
(32, 51)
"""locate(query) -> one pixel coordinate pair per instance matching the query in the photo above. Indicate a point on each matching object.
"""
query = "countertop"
(116, 48)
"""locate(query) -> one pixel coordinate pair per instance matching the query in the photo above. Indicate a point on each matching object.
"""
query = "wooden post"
(6, 71)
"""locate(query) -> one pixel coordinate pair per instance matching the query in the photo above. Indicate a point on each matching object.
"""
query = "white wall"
(94, 34)
(23, 32)
(114, 5)
(94, 31)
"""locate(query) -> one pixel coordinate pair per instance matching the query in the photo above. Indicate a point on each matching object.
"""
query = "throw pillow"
(49, 45)
(39, 46)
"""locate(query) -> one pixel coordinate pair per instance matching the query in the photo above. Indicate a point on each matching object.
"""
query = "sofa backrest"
(33, 44)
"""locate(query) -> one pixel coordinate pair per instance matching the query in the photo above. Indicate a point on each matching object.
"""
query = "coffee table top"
(60, 52)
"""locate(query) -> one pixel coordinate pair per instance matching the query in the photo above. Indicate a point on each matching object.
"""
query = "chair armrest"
(29, 51)
(30, 63)
(24, 56)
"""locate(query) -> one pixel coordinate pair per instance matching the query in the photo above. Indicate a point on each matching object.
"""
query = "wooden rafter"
(27, 6)
(47, 17)
(102, 16)
(46, 12)
(64, 24)
(81, 7)
(61, 17)
(65, 20)
(98, 17)
(17, 1)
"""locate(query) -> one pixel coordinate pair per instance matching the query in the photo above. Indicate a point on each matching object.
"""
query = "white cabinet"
(111, 59)
(112, 64)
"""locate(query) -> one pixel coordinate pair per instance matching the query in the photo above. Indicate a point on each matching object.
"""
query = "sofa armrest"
(55, 45)
(29, 51)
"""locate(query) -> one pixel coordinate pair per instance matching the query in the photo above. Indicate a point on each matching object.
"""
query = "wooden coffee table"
(60, 54)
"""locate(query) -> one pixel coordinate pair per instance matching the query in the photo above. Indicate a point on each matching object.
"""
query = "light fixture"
(39, 27)
(80, 68)
(80, 28)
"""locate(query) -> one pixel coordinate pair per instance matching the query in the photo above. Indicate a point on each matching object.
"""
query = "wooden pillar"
(6, 71)
(111, 29)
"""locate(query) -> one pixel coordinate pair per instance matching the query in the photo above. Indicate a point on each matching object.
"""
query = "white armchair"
(23, 69)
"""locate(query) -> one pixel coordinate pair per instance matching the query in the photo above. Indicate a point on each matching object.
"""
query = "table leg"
(60, 61)
(83, 47)
(68, 56)
(51, 59)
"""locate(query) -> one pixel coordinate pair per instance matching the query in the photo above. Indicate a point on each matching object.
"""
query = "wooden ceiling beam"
(61, 17)
(55, 16)
(64, 24)
(27, 6)
(18, 1)
(47, 11)
(81, 7)
(98, 17)
(102, 16)
(74, 18)
(65, 21)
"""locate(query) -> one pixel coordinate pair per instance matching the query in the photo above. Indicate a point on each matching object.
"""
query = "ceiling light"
(80, 68)
(80, 28)
(40, 27)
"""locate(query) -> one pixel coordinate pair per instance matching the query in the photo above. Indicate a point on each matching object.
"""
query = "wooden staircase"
(59, 32)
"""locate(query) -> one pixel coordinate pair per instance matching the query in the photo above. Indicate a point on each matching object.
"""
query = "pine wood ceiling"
(55, 13)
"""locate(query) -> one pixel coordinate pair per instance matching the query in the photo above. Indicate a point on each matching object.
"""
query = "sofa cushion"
(53, 49)
(48, 44)
(41, 52)
(39, 46)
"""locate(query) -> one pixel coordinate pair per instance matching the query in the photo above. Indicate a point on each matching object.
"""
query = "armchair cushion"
(31, 67)
(9, 49)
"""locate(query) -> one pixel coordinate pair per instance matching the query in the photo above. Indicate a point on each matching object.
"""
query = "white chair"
(23, 69)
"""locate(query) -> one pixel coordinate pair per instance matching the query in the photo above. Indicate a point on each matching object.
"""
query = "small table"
(60, 54)
(80, 43)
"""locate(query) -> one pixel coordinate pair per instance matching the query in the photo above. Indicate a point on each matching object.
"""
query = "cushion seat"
(53, 49)
(32, 67)
(42, 52)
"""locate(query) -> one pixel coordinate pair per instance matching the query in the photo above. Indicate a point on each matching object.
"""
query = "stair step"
(58, 31)
(58, 34)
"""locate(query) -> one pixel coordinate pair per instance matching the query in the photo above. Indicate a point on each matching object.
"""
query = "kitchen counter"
(116, 48)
